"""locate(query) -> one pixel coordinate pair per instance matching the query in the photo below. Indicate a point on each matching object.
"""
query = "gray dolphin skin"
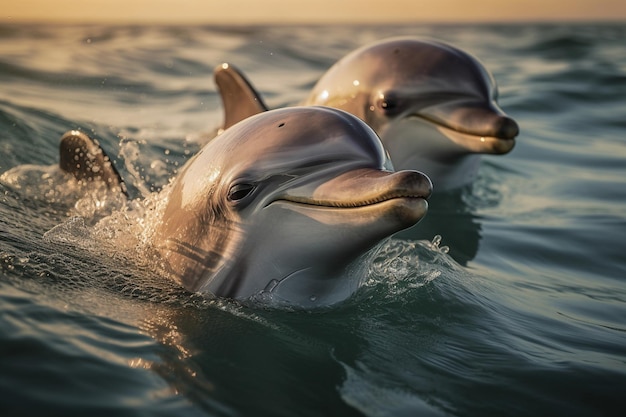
(83, 157)
(433, 105)
(239, 98)
(283, 203)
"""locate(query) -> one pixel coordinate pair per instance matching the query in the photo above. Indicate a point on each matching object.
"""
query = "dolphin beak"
(485, 120)
(367, 186)
(369, 194)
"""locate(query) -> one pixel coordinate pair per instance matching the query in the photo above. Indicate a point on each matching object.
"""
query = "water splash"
(400, 266)
(129, 150)
(56, 192)
(74, 231)
(435, 245)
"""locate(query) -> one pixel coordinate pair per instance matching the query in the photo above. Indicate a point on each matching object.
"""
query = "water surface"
(524, 315)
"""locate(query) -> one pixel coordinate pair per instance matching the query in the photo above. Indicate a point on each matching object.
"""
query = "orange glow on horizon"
(319, 11)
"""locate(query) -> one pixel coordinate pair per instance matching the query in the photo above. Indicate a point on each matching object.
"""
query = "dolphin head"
(431, 104)
(283, 203)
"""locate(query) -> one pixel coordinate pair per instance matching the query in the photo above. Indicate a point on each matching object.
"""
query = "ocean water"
(524, 316)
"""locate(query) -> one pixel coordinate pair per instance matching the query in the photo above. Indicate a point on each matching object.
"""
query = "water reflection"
(227, 358)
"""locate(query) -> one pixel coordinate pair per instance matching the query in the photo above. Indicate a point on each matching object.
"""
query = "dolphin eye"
(240, 191)
(389, 104)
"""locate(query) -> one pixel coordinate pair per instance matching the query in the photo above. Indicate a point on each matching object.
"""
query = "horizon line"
(309, 22)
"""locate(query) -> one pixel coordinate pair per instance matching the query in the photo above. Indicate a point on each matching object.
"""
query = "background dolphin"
(433, 105)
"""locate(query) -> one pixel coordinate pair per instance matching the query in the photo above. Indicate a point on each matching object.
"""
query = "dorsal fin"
(84, 158)
(239, 98)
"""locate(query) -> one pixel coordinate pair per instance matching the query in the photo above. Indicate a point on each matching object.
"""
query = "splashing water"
(398, 267)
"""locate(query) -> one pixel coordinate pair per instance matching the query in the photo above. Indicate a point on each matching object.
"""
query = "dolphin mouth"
(360, 188)
(348, 204)
(478, 143)
(479, 127)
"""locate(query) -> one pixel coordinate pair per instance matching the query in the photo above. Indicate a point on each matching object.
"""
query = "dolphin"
(282, 205)
(433, 105)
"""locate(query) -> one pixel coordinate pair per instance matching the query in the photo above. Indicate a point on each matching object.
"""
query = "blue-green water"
(526, 315)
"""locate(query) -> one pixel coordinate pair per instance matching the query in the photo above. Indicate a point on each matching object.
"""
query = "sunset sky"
(319, 11)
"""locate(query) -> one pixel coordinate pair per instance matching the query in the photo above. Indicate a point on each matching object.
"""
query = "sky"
(318, 11)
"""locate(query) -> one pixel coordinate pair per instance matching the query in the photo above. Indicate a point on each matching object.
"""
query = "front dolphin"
(433, 105)
(283, 203)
